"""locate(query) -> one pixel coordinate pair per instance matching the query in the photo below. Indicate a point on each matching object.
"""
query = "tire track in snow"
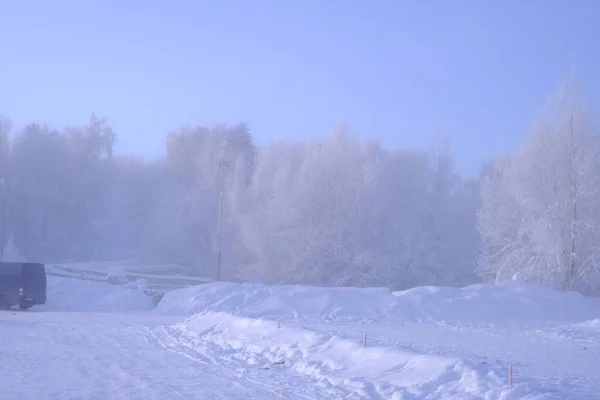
(285, 383)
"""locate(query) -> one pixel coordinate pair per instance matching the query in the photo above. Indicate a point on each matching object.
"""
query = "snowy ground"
(222, 341)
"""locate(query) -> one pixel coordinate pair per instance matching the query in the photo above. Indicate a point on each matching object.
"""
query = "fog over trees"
(339, 211)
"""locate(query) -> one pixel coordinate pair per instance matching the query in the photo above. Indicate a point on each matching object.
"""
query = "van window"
(34, 275)
(10, 274)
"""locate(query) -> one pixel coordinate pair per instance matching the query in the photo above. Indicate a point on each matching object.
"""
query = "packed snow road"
(74, 355)
(96, 341)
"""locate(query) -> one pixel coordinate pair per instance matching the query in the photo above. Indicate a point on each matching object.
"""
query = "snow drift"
(342, 367)
(290, 301)
(497, 304)
(492, 304)
(320, 335)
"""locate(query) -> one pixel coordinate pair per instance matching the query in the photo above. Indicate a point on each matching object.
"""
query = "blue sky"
(400, 72)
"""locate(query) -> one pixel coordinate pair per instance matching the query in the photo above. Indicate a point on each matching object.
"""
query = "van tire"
(24, 306)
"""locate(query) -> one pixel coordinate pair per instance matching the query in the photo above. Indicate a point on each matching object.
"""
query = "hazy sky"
(401, 72)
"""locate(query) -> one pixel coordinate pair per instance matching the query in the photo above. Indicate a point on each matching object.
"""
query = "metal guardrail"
(156, 285)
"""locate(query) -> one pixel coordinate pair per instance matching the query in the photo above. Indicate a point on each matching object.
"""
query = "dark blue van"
(22, 284)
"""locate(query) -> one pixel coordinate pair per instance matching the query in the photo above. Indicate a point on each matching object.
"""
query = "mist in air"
(304, 150)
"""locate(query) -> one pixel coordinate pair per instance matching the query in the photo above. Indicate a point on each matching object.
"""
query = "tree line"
(337, 211)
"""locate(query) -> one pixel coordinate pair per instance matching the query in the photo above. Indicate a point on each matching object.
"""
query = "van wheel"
(24, 306)
(3, 305)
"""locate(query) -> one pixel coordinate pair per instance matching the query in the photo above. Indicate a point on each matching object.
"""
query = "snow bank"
(290, 301)
(591, 325)
(342, 367)
(321, 330)
(588, 331)
(68, 294)
(473, 304)
(510, 301)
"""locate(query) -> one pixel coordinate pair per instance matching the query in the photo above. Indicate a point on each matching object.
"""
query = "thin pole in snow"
(2, 183)
(222, 165)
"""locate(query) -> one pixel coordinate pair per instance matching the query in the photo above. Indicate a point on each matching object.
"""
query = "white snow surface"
(238, 341)
(502, 303)
(71, 294)
(422, 343)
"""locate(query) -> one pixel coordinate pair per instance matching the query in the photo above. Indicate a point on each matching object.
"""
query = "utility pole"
(222, 165)
(3, 184)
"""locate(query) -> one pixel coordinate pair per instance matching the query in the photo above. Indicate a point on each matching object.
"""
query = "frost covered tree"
(451, 220)
(200, 161)
(400, 247)
(337, 211)
(59, 182)
(540, 219)
(307, 212)
(345, 212)
(450, 215)
(38, 201)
